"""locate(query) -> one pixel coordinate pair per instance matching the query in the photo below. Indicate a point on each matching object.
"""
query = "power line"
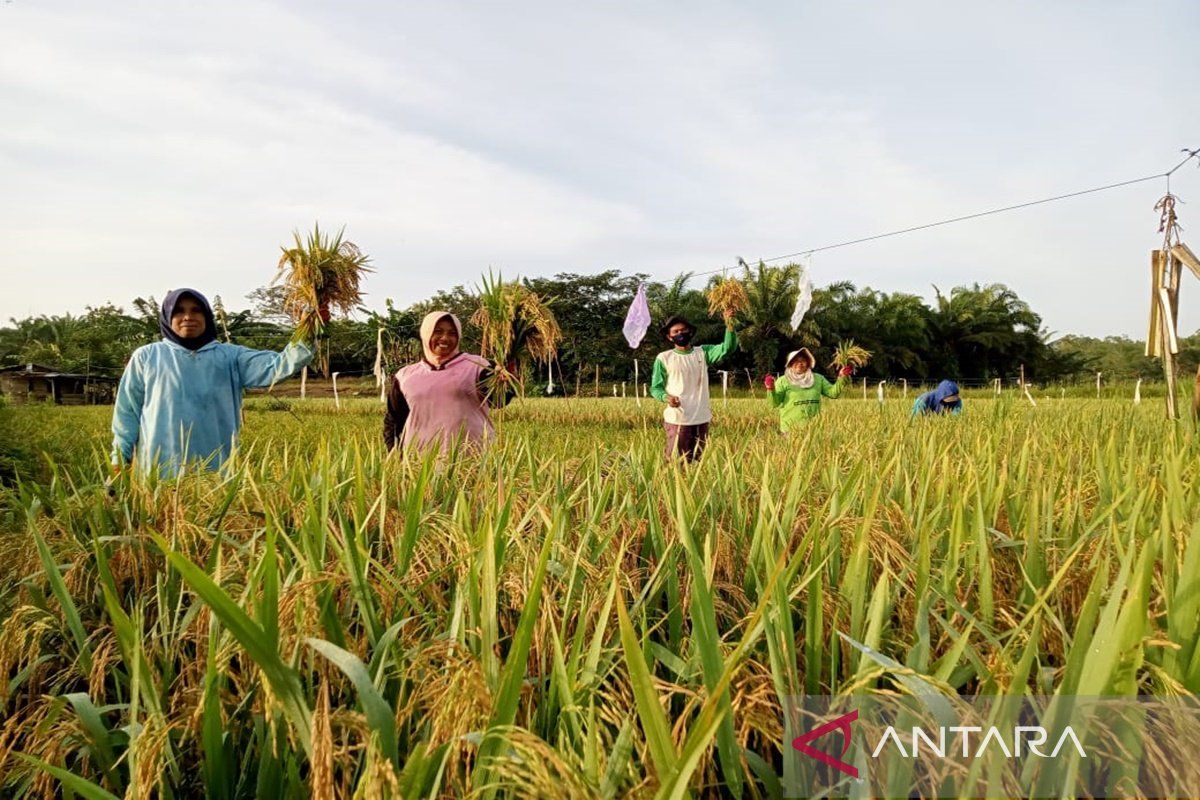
(1190, 155)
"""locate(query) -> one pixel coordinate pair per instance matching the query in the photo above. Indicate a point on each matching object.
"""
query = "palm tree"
(771, 292)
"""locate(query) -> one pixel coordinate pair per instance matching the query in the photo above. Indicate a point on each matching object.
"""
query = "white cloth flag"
(377, 370)
(637, 321)
(803, 301)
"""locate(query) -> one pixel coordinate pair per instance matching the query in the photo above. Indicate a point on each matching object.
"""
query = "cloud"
(157, 144)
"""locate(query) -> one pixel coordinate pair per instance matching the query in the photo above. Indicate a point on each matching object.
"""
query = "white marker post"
(904, 383)
(336, 402)
(1137, 392)
(637, 396)
(724, 386)
(997, 382)
(623, 390)
(303, 382)
(1098, 374)
(880, 390)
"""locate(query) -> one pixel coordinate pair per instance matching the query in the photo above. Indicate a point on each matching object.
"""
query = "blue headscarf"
(933, 400)
(168, 308)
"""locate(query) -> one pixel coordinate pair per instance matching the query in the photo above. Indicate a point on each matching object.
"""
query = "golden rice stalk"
(321, 775)
(319, 274)
(512, 320)
(727, 294)
(848, 354)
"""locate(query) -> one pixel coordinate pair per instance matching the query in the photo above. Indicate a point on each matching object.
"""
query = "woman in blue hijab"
(942, 400)
(180, 399)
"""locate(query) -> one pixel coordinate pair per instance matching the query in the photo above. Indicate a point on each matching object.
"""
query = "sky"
(147, 146)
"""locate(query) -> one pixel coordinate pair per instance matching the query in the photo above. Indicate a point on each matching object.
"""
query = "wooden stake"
(1168, 359)
(597, 380)
(1184, 254)
(1167, 313)
(1154, 335)
(1196, 395)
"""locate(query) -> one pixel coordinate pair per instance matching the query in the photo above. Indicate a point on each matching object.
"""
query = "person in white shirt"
(680, 380)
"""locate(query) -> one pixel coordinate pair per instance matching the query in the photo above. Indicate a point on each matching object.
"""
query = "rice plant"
(565, 615)
(320, 274)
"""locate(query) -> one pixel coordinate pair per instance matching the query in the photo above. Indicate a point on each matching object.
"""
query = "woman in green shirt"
(798, 392)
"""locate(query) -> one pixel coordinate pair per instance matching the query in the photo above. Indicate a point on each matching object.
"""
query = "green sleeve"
(778, 395)
(658, 381)
(715, 352)
(832, 390)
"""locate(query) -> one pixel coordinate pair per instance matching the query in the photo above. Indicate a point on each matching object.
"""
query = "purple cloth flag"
(637, 321)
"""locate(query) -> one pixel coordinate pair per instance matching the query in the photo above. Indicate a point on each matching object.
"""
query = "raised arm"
(258, 368)
(833, 390)
(127, 413)
(715, 352)
(777, 393)
(396, 415)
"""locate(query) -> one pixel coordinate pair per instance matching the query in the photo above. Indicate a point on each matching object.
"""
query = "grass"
(566, 616)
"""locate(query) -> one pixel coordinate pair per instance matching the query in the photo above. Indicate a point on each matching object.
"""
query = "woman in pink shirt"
(441, 397)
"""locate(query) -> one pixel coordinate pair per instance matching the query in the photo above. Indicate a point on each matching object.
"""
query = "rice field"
(566, 616)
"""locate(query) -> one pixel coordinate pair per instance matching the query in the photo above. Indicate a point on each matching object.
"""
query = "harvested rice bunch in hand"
(319, 274)
(513, 320)
(848, 354)
(727, 296)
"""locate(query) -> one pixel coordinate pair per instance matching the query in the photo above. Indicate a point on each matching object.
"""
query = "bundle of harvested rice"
(727, 294)
(320, 273)
(512, 320)
(848, 354)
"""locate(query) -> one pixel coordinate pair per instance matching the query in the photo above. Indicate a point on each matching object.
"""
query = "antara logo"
(1032, 737)
(1024, 740)
(841, 724)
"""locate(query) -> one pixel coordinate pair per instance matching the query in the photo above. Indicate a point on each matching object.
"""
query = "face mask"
(683, 339)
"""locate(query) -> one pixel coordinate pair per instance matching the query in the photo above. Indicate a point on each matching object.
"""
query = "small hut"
(35, 383)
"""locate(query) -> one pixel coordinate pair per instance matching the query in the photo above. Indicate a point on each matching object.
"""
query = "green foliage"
(973, 333)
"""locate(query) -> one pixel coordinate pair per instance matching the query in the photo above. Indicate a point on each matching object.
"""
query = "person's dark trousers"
(686, 441)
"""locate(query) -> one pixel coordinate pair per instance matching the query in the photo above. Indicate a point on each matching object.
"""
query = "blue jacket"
(931, 402)
(176, 405)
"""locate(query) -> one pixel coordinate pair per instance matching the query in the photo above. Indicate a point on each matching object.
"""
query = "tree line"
(973, 333)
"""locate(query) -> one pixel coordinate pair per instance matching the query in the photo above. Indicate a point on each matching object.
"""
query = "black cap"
(673, 320)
